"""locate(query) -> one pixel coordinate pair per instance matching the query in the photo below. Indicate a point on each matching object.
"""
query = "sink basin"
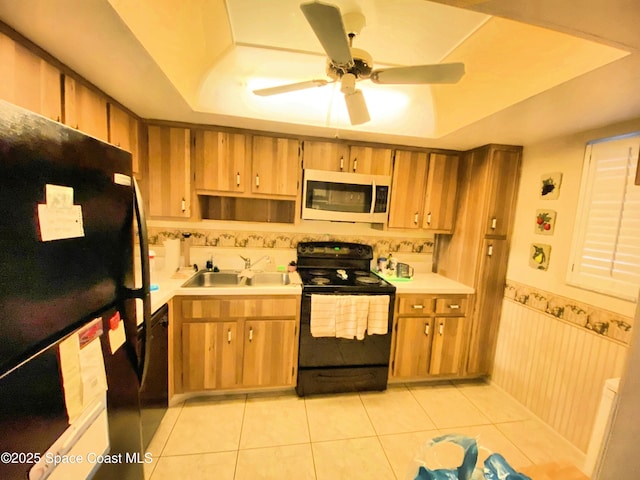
(268, 278)
(206, 278)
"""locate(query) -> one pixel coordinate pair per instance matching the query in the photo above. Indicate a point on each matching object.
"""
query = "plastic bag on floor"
(452, 445)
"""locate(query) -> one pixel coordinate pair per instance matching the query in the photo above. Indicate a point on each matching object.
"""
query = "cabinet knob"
(441, 329)
(494, 223)
(489, 250)
(429, 218)
(454, 306)
(250, 334)
(183, 205)
(257, 181)
(341, 163)
(229, 336)
(415, 218)
(237, 179)
(417, 306)
(355, 164)
(426, 329)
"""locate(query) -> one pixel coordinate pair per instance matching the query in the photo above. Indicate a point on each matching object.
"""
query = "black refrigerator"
(70, 358)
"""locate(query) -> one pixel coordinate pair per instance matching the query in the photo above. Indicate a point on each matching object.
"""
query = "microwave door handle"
(373, 197)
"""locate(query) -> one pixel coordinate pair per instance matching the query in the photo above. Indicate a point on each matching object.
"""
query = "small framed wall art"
(545, 222)
(539, 254)
(550, 185)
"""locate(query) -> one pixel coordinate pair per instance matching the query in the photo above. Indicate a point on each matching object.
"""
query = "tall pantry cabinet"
(477, 252)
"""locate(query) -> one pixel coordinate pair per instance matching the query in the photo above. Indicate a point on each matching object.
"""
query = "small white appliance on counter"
(345, 197)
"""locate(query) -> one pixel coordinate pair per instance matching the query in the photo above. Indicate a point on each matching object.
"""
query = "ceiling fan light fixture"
(348, 84)
(357, 108)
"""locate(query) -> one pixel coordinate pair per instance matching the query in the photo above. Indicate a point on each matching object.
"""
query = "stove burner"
(367, 280)
(361, 273)
(320, 281)
(319, 272)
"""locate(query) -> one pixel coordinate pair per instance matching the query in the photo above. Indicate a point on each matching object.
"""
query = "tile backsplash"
(602, 322)
(245, 239)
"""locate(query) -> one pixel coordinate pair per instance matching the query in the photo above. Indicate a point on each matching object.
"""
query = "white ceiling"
(96, 41)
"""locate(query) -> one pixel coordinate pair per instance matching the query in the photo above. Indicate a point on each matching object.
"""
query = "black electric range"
(331, 364)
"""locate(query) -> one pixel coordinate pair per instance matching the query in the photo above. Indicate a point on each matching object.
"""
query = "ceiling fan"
(348, 64)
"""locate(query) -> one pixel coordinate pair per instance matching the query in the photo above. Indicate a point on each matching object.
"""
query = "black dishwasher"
(154, 395)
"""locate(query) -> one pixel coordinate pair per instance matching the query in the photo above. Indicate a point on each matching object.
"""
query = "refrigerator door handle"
(143, 292)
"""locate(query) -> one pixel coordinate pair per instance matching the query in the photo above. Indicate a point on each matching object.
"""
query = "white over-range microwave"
(345, 197)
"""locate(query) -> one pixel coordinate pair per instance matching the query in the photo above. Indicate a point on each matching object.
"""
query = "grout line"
(313, 457)
(244, 411)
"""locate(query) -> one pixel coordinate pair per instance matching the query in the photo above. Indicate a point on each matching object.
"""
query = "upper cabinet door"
(220, 161)
(326, 156)
(169, 172)
(29, 81)
(371, 160)
(442, 187)
(85, 110)
(408, 189)
(503, 179)
(275, 166)
(124, 133)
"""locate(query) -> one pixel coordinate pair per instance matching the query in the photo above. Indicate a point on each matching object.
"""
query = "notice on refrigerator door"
(59, 218)
(82, 369)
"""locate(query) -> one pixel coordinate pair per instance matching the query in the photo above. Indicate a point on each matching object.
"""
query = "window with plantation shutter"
(606, 248)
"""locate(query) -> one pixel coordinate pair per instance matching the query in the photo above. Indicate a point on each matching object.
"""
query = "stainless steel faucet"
(247, 261)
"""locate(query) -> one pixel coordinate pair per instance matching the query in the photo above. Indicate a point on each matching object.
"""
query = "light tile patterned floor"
(372, 435)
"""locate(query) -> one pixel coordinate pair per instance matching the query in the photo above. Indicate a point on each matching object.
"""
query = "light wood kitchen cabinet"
(269, 352)
(492, 272)
(220, 159)
(423, 191)
(441, 194)
(29, 81)
(339, 157)
(408, 189)
(85, 109)
(230, 342)
(504, 166)
(169, 172)
(275, 166)
(124, 133)
(431, 336)
(477, 252)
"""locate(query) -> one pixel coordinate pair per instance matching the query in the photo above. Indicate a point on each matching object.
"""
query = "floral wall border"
(603, 322)
(244, 239)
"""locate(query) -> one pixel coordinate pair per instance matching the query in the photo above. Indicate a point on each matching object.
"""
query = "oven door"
(348, 197)
(317, 352)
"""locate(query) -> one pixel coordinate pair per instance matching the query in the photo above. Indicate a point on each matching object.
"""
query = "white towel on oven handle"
(351, 316)
(378, 315)
(323, 315)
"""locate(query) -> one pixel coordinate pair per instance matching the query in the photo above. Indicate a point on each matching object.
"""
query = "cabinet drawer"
(455, 305)
(240, 307)
(416, 304)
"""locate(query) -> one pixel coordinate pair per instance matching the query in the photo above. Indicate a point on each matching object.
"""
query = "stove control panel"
(335, 250)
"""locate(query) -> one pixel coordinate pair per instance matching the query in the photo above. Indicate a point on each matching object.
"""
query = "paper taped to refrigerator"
(59, 218)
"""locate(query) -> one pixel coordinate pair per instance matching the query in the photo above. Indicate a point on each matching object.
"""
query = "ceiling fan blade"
(439, 73)
(326, 22)
(291, 87)
(357, 107)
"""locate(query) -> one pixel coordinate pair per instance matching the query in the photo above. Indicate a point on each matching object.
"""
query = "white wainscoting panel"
(555, 368)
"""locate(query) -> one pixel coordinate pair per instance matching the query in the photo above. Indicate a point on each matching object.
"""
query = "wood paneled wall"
(555, 369)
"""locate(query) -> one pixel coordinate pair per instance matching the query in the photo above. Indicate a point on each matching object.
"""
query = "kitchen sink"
(207, 278)
(268, 278)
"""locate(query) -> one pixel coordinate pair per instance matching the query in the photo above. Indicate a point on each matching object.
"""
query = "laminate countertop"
(169, 286)
(429, 283)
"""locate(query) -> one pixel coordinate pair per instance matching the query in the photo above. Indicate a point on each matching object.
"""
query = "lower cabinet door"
(269, 353)
(449, 345)
(210, 355)
(413, 352)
